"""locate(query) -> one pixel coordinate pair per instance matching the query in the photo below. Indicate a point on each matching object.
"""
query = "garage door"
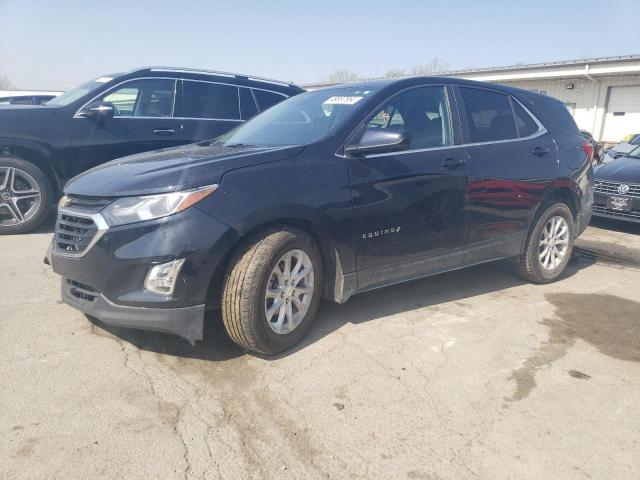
(623, 113)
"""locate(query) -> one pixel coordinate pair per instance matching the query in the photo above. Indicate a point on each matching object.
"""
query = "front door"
(142, 121)
(408, 206)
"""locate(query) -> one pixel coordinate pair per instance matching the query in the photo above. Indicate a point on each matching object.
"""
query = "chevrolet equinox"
(328, 194)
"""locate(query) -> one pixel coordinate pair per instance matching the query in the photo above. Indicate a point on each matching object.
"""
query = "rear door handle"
(539, 151)
(164, 132)
(452, 163)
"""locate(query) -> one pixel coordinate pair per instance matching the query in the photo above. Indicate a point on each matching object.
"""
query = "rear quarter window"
(552, 113)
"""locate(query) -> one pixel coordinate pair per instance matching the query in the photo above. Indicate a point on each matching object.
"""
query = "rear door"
(513, 159)
(408, 205)
(143, 120)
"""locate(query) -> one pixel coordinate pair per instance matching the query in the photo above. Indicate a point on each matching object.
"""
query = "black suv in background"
(41, 147)
(328, 194)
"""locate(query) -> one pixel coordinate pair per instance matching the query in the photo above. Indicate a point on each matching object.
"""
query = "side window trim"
(175, 97)
(106, 92)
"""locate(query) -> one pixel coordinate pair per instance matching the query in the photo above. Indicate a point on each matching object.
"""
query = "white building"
(602, 93)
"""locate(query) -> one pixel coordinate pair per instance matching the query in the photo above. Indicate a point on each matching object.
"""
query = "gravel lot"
(470, 374)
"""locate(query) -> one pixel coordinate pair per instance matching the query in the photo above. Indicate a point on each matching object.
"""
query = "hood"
(24, 121)
(22, 111)
(622, 169)
(168, 170)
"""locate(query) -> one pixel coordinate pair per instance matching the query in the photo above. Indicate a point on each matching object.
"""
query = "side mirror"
(376, 140)
(98, 110)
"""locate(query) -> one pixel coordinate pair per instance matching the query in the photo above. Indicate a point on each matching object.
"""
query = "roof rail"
(216, 72)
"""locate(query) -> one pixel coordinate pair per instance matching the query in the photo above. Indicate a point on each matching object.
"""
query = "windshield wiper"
(238, 145)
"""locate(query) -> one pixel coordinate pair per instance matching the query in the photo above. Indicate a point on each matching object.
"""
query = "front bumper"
(186, 322)
(107, 281)
(600, 209)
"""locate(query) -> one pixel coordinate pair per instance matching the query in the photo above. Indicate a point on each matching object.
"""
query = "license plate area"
(619, 204)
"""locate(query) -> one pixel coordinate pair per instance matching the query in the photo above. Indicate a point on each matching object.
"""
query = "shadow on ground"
(615, 225)
(448, 287)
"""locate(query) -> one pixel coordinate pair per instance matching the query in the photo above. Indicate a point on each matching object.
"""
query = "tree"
(5, 83)
(396, 72)
(434, 66)
(342, 76)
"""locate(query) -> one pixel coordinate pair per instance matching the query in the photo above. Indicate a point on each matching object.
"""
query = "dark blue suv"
(328, 194)
(43, 146)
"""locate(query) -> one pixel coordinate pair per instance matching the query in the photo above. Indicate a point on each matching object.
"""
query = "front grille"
(611, 188)
(635, 213)
(81, 291)
(73, 233)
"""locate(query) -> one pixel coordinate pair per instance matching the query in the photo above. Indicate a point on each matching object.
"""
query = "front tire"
(25, 196)
(548, 246)
(272, 291)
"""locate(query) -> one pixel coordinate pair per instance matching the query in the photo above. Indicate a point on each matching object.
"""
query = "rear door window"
(524, 123)
(489, 115)
(267, 99)
(210, 100)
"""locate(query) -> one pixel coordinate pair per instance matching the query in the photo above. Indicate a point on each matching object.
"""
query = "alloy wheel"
(554, 243)
(20, 196)
(289, 291)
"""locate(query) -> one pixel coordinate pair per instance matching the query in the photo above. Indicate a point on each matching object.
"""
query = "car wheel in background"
(548, 246)
(25, 196)
(272, 291)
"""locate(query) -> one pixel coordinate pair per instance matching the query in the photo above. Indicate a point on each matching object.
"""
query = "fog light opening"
(162, 278)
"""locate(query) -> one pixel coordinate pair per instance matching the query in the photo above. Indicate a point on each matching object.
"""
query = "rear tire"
(254, 287)
(548, 246)
(25, 196)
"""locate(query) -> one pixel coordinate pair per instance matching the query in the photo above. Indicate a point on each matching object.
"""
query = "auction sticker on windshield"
(342, 100)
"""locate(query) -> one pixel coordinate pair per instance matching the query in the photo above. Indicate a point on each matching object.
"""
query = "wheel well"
(330, 260)
(31, 156)
(569, 198)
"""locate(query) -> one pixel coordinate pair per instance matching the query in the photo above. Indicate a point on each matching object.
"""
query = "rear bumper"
(186, 322)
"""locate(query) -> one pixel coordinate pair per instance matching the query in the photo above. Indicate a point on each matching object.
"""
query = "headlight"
(138, 209)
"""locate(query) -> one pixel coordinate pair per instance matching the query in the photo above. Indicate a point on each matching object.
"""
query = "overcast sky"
(58, 44)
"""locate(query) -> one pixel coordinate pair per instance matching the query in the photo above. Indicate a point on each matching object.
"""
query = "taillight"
(588, 149)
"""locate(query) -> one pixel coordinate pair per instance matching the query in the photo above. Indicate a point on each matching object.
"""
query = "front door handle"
(452, 163)
(164, 132)
(539, 151)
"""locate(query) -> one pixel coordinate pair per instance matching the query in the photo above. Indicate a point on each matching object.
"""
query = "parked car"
(617, 188)
(621, 149)
(328, 194)
(597, 146)
(26, 99)
(112, 116)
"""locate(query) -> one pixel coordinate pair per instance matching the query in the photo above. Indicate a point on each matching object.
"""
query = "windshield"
(74, 94)
(635, 153)
(300, 120)
(636, 140)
